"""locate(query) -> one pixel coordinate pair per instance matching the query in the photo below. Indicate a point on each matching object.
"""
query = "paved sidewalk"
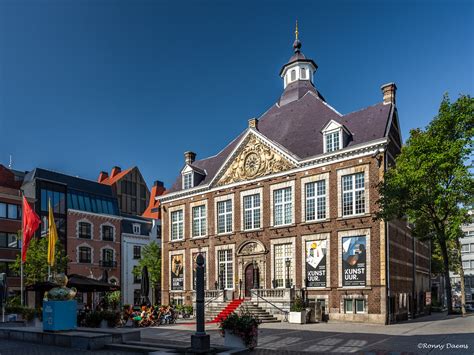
(435, 334)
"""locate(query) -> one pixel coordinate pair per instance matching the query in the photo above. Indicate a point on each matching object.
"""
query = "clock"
(252, 164)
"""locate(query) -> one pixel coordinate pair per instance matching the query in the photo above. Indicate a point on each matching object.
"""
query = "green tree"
(151, 258)
(35, 268)
(431, 182)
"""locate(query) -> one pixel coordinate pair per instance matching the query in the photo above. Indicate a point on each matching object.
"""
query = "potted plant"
(188, 311)
(240, 331)
(297, 312)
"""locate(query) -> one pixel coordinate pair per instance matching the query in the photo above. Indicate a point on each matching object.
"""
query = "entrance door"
(249, 280)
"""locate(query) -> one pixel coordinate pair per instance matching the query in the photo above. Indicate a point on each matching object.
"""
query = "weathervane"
(296, 30)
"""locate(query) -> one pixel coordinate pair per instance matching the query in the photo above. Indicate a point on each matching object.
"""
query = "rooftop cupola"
(298, 67)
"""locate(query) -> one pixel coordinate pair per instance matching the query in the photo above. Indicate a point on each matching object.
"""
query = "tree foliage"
(431, 183)
(151, 258)
(35, 268)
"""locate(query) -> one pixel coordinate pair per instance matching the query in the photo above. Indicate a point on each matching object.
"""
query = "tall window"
(353, 194)
(107, 257)
(9, 240)
(199, 221)
(137, 252)
(10, 211)
(252, 211)
(224, 216)
(283, 272)
(283, 206)
(315, 200)
(108, 233)
(177, 225)
(303, 73)
(226, 268)
(187, 181)
(332, 141)
(85, 230)
(464, 248)
(293, 75)
(85, 255)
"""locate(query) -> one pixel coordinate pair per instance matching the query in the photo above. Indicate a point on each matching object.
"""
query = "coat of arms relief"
(254, 160)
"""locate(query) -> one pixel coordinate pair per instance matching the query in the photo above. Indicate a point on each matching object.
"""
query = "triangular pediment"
(253, 158)
(331, 126)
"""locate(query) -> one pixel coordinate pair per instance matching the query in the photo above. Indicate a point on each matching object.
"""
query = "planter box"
(59, 315)
(297, 317)
(236, 342)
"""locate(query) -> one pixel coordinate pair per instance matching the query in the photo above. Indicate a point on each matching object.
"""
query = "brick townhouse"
(289, 205)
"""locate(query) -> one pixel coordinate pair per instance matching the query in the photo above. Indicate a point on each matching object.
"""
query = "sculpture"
(60, 293)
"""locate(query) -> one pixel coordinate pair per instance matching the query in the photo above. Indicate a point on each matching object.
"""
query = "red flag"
(31, 222)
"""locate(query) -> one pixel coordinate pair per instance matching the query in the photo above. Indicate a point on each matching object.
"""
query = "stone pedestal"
(200, 343)
(59, 315)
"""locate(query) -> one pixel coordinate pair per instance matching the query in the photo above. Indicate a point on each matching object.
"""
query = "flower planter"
(234, 341)
(297, 317)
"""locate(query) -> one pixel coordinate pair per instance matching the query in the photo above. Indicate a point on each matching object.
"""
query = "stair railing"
(285, 312)
(213, 298)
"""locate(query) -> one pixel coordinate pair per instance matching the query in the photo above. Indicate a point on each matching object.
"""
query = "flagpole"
(21, 256)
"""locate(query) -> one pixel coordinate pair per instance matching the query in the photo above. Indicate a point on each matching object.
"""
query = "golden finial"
(296, 30)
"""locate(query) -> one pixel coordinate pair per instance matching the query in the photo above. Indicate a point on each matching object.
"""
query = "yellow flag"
(53, 236)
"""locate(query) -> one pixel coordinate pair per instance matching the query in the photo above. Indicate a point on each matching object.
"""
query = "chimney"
(115, 170)
(189, 157)
(157, 189)
(103, 175)
(389, 92)
(253, 123)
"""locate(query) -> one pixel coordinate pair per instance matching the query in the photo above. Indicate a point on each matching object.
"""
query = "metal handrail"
(271, 304)
(213, 298)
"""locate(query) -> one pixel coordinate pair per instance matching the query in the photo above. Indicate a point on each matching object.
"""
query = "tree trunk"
(447, 281)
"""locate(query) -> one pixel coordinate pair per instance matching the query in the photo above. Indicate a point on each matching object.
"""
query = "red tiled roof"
(153, 211)
(110, 180)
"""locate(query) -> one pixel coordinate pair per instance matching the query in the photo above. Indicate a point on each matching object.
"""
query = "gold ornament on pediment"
(254, 160)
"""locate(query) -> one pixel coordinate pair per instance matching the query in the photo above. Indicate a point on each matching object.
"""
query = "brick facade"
(95, 268)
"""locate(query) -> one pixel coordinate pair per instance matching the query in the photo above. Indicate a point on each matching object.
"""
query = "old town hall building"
(289, 205)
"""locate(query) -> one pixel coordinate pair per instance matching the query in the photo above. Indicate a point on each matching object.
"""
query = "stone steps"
(213, 310)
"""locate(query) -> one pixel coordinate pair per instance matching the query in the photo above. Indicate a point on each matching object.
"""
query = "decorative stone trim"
(216, 261)
(113, 233)
(354, 233)
(279, 186)
(273, 243)
(349, 171)
(311, 237)
(77, 253)
(170, 223)
(216, 215)
(309, 179)
(191, 218)
(85, 220)
(258, 190)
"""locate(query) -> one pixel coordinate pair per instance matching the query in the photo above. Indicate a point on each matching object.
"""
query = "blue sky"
(85, 85)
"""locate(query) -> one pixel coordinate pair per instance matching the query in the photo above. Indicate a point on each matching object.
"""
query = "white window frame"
(284, 185)
(201, 220)
(226, 216)
(467, 250)
(293, 267)
(187, 184)
(218, 249)
(309, 180)
(352, 171)
(286, 254)
(177, 222)
(244, 194)
(329, 138)
(353, 192)
(136, 228)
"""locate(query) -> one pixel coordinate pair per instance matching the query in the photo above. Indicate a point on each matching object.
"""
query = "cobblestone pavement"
(435, 334)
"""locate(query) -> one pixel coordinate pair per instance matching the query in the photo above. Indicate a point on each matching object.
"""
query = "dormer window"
(136, 228)
(187, 180)
(333, 141)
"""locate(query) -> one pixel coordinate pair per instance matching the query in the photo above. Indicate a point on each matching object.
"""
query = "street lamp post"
(288, 264)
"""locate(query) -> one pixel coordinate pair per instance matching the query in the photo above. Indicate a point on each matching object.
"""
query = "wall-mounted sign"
(177, 272)
(316, 263)
(354, 261)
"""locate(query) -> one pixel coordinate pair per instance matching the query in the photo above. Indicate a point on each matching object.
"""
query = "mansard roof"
(297, 125)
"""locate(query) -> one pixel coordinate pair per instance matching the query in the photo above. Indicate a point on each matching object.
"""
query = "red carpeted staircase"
(231, 307)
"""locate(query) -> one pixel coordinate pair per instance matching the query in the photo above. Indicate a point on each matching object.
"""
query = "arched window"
(84, 230)
(107, 257)
(303, 73)
(293, 75)
(85, 255)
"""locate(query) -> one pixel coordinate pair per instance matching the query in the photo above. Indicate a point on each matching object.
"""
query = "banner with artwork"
(177, 272)
(354, 261)
(316, 263)
(194, 269)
